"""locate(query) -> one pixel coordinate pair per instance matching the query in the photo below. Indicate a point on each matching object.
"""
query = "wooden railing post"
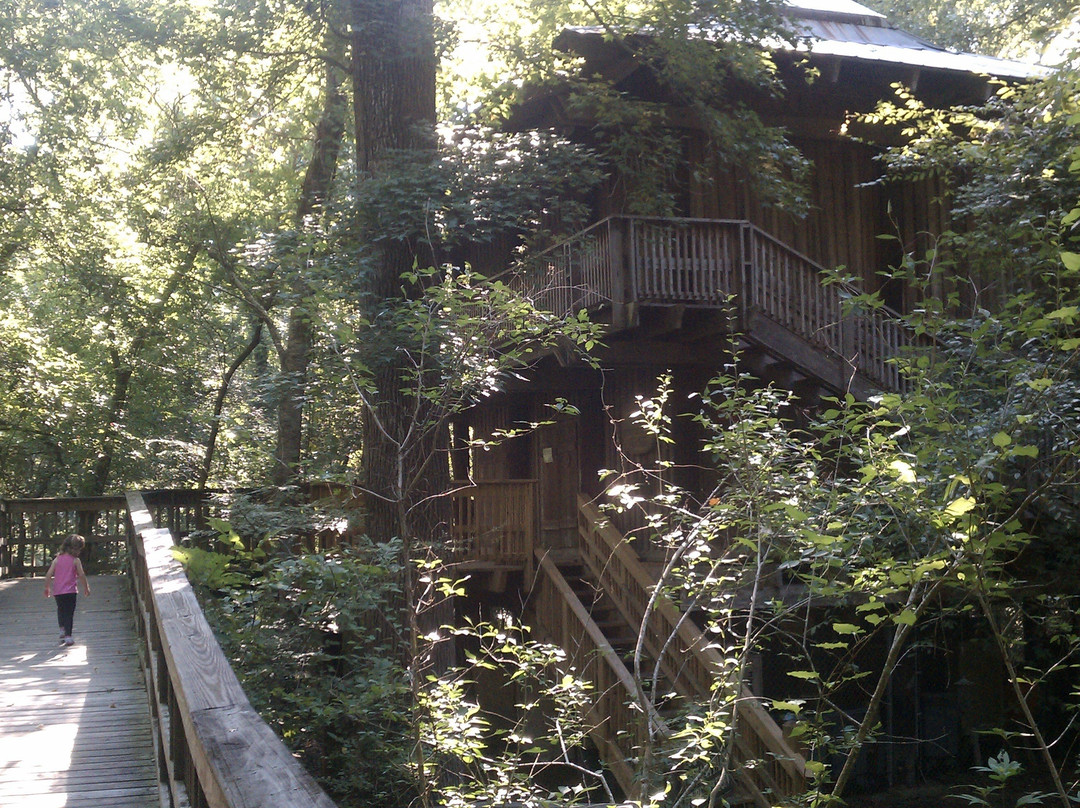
(5, 539)
(744, 292)
(622, 278)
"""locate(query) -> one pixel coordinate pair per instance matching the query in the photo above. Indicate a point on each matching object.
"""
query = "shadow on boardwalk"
(75, 727)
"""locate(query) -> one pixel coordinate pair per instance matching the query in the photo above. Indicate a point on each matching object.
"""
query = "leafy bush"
(316, 643)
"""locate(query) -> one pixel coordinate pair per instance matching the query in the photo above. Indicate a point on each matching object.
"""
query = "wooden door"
(559, 473)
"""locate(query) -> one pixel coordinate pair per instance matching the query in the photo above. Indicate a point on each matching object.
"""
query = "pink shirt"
(64, 578)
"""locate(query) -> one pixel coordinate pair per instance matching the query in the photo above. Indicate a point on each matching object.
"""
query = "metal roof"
(849, 30)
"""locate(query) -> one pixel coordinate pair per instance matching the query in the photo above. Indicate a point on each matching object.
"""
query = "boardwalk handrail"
(216, 751)
(687, 658)
(31, 530)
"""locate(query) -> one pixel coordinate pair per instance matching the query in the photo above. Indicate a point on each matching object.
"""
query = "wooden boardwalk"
(75, 727)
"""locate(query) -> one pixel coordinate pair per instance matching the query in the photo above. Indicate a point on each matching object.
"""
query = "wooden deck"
(75, 727)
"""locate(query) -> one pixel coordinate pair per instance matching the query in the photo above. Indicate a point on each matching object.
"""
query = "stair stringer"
(688, 661)
(616, 720)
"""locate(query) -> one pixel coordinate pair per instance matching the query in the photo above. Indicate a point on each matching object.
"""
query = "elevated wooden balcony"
(779, 297)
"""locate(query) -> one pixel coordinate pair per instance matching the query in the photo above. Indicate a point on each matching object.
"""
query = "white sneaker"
(68, 641)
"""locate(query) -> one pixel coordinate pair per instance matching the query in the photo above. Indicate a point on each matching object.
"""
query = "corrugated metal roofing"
(877, 42)
(849, 30)
(926, 57)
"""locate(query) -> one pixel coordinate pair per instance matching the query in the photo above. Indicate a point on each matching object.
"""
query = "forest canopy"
(237, 249)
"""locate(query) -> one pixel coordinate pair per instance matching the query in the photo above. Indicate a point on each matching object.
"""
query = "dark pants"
(65, 612)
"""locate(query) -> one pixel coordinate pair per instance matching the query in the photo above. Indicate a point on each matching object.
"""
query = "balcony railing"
(714, 263)
(494, 522)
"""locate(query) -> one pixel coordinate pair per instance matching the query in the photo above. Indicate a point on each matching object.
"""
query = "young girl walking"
(67, 572)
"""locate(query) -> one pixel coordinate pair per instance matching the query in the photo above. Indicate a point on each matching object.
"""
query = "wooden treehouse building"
(728, 282)
(725, 281)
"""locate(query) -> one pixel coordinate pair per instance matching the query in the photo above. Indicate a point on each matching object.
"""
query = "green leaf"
(846, 628)
(959, 506)
(903, 470)
(794, 514)
(1002, 439)
(808, 675)
(792, 706)
(1071, 260)
(905, 618)
(870, 606)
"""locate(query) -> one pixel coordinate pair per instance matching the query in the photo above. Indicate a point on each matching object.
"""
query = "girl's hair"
(73, 544)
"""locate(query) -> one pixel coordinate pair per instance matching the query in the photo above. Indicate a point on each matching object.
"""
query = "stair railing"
(703, 262)
(686, 658)
(616, 724)
(789, 289)
(214, 749)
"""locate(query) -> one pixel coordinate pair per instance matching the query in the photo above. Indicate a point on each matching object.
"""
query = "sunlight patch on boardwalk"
(75, 726)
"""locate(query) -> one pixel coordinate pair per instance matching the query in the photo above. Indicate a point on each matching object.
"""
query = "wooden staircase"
(777, 298)
(595, 620)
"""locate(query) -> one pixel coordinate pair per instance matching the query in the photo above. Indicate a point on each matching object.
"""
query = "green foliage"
(316, 642)
(831, 551)
(698, 52)
(1000, 770)
(122, 128)
(1009, 168)
(209, 569)
(522, 746)
(484, 184)
(1008, 28)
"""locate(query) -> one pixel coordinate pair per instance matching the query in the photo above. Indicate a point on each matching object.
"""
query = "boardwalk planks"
(75, 726)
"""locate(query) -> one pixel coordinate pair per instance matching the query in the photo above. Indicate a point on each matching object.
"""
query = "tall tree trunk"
(392, 61)
(118, 400)
(299, 334)
(393, 85)
(219, 404)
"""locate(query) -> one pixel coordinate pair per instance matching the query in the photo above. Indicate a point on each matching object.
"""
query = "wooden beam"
(664, 354)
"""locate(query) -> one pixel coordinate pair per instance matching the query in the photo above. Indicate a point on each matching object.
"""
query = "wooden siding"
(849, 209)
